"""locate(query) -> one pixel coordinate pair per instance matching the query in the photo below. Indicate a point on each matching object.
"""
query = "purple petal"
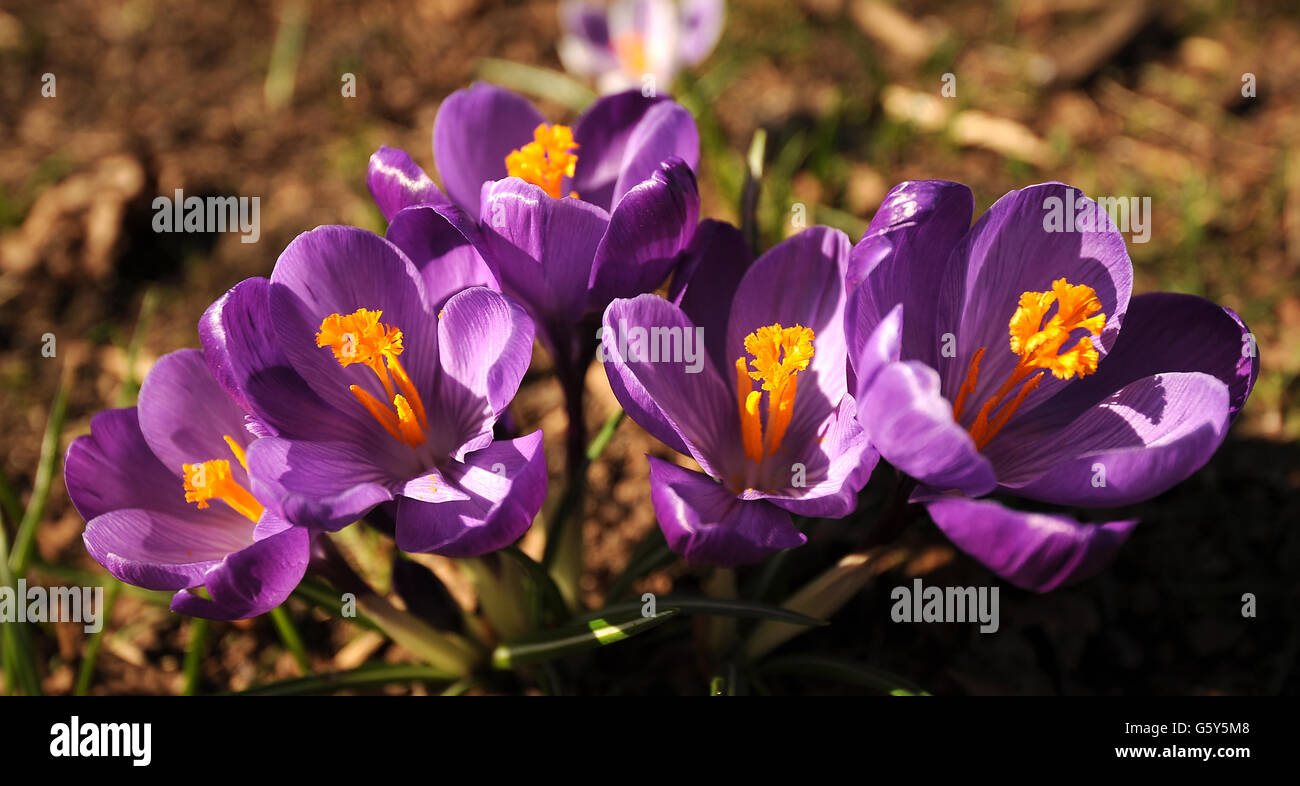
(1163, 332)
(623, 138)
(799, 281)
(1011, 250)
(835, 473)
(251, 581)
(707, 278)
(584, 47)
(706, 524)
(486, 343)
(185, 415)
(112, 468)
(337, 270)
(474, 131)
(244, 354)
(681, 407)
(447, 261)
(323, 485)
(912, 426)
(397, 182)
(1139, 442)
(160, 551)
(506, 485)
(651, 224)
(902, 257)
(702, 22)
(875, 349)
(542, 248)
(1034, 551)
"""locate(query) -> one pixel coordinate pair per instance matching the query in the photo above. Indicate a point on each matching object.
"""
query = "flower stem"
(446, 651)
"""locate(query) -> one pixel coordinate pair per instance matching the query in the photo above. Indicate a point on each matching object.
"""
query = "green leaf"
(15, 639)
(289, 636)
(597, 446)
(25, 538)
(325, 598)
(194, 655)
(844, 671)
(717, 607)
(539, 82)
(569, 639)
(86, 673)
(367, 676)
(547, 603)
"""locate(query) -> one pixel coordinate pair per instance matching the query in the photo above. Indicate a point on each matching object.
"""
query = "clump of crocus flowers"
(369, 378)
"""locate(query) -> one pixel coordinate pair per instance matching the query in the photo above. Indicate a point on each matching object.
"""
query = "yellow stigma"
(546, 160)
(360, 337)
(778, 355)
(209, 480)
(629, 48)
(1039, 344)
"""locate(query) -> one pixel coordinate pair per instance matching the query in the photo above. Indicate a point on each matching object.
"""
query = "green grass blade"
(289, 635)
(717, 607)
(604, 436)
(543, 646)
(368, 676)
(86, 673)
(19, 657)
(194, 655)
(25, 538)
(539, 82)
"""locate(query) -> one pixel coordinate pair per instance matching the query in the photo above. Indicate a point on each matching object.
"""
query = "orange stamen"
(360, 337)
(209, 480)
(779, 354)
(1038, 340)
(546, 160)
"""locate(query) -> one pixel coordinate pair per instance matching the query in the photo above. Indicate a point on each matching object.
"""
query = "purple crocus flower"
(373, 389)
(1009, 358)
(762, 407)
(564, 219)
(619, 44)
(166, 497)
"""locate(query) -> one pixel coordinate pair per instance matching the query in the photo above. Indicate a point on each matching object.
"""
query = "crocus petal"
(1148, 436)
(185, 415)
(1163, 332)
(872, 350)
(160, 551)
(909, 241)
(706, 279)
(474, 131)
(800, 281)
(447, 261)
(506, 485)
(693, 409)
(704, 523)
(323, 485)
(542, 248)
(337, 270)
(397, 182)
(701, 26)
(1034, 551)
(1013, 249)
(486, 344)
(650, 225)
(623, 138)
(112, 468)
(246, 357)
(912, 426)
(834, 476)
(251, 581)
(584, 47)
